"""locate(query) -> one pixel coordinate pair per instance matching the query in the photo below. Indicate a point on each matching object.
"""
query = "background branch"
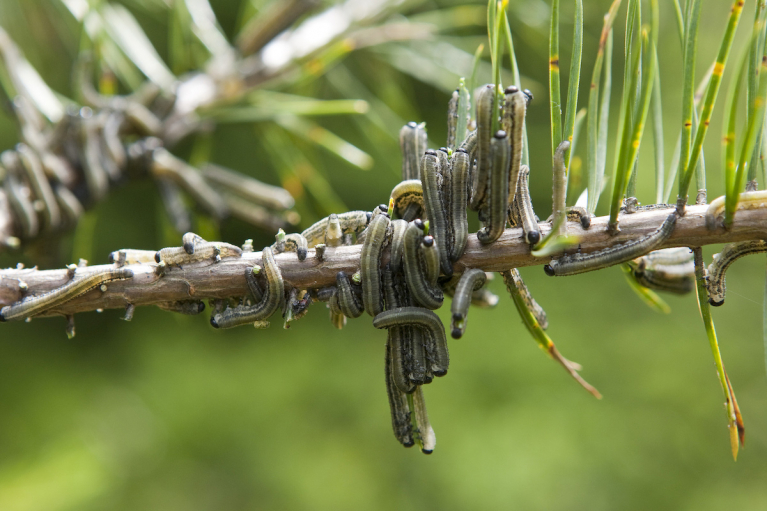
(227, 278)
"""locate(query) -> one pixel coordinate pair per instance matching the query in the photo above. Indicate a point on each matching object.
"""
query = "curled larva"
(370, 263)
(351, 222)
(34, 305)
(715, 280)
(423, 291)
(470, 281)
(429, 323)
(348, 300)
(189, 240)
(580, 263)
(406, 199)
(297, 243)
(272, 296)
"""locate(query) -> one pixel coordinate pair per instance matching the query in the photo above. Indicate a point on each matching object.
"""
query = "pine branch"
(227, 278)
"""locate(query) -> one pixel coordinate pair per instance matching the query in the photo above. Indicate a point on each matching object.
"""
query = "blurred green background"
(166, 413)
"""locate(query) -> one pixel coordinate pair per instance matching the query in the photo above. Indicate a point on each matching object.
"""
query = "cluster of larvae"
(60, 169)
(408, 250)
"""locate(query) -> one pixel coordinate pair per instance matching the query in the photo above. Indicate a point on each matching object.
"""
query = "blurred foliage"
(165, 413)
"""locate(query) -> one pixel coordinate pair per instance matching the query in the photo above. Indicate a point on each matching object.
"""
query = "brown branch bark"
(227, 278)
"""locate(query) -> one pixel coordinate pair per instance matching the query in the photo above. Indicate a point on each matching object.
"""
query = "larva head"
(419, 223)
(213, 321)
(533, 237)
(529, 96)
(428, 241)
(511, 89)
(549, 270)
(158, 257)
(586, 221)
(301, 252)
(500, 134)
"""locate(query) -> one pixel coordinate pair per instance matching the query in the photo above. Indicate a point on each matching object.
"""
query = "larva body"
(206, 251)
(580, 263)
(498, 194)
(406, 199)
(429, 323)
(458, 202)
(715, 280)
(470, 281)
(370, 263)
(272, 297)
(421, 288)
(352, 222)
(69, 291)
(486, 109)
(412, 143)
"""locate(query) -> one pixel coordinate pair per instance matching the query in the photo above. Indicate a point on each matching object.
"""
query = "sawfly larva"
(127, 256)
(406, 199)
(457, 203)
(412, 143)
(426, 436)
(747, 200)
(348, 300)
(273, 295)
(498, 193)
(513, 122)
(370, 263)
(470, 281)
(715, 280)
(34, 305)
(621, 253)
(422, 290)
(352, 222)
(209, 250)
(523, 207)
(486, 109)
(429, 323)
